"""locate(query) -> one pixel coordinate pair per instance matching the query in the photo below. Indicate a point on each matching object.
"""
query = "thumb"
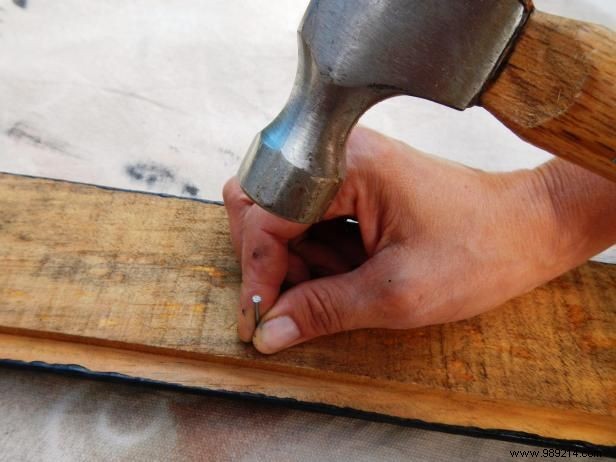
(319, 307)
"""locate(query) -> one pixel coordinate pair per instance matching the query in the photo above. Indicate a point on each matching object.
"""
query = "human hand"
(437, 242)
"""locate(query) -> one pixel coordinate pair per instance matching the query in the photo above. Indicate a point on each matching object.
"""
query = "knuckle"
(322, 315)
(233, 195)
(227, 190)
(401, 304)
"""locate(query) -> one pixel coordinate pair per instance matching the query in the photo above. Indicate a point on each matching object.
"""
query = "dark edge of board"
(475, 432)
(113, 188)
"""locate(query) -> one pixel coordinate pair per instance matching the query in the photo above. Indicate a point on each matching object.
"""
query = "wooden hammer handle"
(558, 91)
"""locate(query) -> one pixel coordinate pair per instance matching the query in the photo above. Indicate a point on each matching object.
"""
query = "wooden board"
(147, 286)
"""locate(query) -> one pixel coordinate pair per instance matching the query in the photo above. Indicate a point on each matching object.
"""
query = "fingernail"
(276, 334)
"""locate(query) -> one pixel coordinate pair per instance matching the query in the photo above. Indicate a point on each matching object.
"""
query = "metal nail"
(256, 300)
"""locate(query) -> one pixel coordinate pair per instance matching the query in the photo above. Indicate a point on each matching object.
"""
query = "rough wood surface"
(148, 286)
(558, 91)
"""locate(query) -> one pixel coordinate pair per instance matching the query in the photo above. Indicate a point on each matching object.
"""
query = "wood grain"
(148, 286)
(558, 91)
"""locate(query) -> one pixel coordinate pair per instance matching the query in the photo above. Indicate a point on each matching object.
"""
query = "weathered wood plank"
(154, 284)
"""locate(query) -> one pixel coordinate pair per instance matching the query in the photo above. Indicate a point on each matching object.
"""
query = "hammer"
(551, 80)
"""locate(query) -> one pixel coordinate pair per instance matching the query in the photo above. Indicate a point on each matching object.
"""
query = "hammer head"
(353, 54)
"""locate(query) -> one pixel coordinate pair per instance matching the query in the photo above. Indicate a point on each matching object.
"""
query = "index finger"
(265, 261)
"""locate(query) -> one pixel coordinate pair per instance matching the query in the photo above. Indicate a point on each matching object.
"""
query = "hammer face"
(274, 182)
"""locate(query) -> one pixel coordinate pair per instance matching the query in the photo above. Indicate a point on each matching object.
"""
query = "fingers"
(261, 240)
(324, 306)
(237, 204)
(265, 262)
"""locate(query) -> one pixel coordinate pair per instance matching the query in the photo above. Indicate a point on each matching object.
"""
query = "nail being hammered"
(256, 300)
